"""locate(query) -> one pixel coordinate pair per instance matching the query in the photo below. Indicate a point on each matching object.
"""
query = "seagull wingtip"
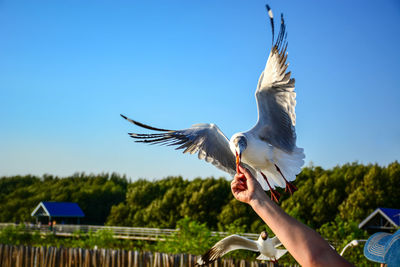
(200, 262)
(269, 11)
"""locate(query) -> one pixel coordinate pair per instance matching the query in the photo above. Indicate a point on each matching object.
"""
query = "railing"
(138, 233)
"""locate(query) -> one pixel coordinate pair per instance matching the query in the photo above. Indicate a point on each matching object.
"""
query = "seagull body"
(269, 149)
(266, 246)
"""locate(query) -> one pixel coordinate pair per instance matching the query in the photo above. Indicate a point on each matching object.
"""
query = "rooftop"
(58, 209)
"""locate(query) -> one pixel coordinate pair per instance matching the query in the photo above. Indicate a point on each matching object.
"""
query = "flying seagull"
(266, 246)
(269, 149)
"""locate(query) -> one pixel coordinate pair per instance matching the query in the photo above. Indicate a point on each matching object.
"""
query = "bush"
(191, 237)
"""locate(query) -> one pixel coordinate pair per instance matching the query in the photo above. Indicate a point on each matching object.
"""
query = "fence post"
(49, 256)
(130, 263)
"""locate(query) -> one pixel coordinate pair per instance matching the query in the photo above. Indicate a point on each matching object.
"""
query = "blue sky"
(69, 68)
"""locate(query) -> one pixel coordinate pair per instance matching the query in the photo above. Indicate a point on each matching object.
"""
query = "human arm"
(303, 243)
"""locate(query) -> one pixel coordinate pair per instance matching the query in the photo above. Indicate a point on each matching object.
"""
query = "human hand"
(245, 187)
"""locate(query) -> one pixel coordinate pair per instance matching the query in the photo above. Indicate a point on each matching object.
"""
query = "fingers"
(239, 183)
(239, 176)
(235, 188)
(246, 172)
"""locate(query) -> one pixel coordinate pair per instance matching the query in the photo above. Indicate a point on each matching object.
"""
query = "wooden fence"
(27, 256)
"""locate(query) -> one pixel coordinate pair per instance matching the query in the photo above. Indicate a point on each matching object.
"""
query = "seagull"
(266, 246)
(268, 150)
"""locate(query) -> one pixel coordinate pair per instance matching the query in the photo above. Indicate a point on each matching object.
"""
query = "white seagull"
(266, 246)
(268, 149)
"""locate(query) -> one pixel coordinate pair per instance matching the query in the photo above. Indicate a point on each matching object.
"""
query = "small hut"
(62, 212)
(381, 220)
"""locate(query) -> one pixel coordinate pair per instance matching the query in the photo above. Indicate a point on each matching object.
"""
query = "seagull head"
(238, 144)
(264, 235)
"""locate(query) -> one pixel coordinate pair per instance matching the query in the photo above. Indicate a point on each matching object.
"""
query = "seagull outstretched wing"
(276, 99)
(275, 241)
(232, 242)
(205, 139)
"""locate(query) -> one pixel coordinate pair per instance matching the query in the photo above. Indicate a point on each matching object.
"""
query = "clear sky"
(69, 68)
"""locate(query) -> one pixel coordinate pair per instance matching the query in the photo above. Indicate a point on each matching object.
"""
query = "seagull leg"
(274, 194)
(289, 186)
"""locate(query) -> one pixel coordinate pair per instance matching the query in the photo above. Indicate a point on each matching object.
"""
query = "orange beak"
(238, 156)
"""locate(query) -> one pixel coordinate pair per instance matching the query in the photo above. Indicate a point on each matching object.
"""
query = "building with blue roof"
(381, 220)
(60, 211)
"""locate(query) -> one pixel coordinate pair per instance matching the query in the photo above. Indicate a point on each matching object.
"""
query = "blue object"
(384, 248)
(390, 215)
(393, 214)
(58, 209)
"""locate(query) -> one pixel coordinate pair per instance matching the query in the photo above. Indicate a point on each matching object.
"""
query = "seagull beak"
(238, 158)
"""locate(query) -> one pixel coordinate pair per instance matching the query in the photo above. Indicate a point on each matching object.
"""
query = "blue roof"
(60, 209)
(393, 214)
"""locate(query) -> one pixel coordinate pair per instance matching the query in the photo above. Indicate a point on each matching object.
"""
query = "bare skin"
(304, 244)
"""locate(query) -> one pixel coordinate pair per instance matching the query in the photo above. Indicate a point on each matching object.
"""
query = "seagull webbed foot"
(289, 186)
(275, 195)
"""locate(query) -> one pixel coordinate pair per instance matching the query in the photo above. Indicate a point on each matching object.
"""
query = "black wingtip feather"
(271, 17)
(144, 125)
(209, 256)
(281, 39)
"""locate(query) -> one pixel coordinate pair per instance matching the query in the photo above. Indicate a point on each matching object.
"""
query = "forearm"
(303, 243)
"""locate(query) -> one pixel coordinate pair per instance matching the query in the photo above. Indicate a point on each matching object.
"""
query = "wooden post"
(94, 258)
(5, 253)
(16, 255)
(28, 251)
(130, 263)
(70, 257)
(33, 257)
(76, 257)
(113, 256)
(54, 257)
(136, 259)
(49, 256)
(11, 260)
(1, 254)
(107, 257)
(118, 258)
(22, 255)
(62, 256)
(40, 257)
(80, 256)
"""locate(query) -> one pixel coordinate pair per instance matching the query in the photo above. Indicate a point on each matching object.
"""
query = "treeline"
(346, 193)
(95, 194)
